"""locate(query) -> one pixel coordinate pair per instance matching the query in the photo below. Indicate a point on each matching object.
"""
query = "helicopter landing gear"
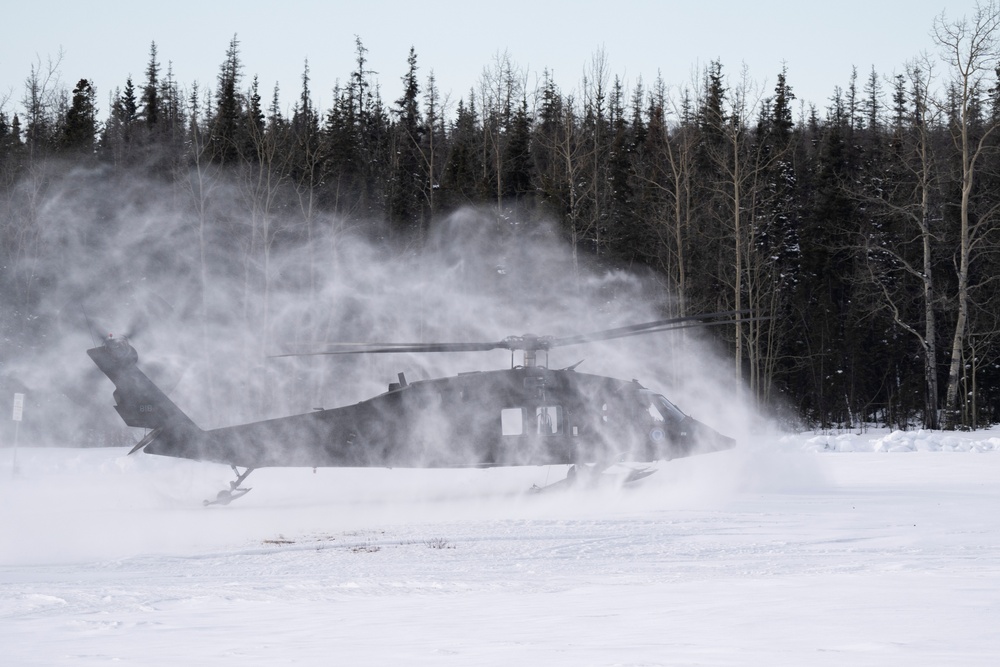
(635, 474)
(582, 475)
(585, 475)
(234, 491)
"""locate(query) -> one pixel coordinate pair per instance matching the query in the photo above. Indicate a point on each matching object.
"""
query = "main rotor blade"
(530, 342)
(397, 348)
(649, 327)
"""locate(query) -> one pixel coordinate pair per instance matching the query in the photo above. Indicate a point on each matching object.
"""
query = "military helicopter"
(528, 414)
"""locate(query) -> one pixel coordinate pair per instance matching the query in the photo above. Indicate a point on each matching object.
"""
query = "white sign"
(18, 406)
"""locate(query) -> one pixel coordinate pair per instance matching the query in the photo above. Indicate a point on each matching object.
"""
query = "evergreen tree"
(517, 177)
(127, 107)
(462, 182)
(435, 142)
(305, 161)
(254, 125)
(406, 193)
(10, 145)
(823, 294)
(119, 131)
(624, 236)
(372, 133)
(151, 91)
(546, 138)
(711, 113)
(873, 104)
(341, 153)
(80, 128)
(170, 136)
(226, 125)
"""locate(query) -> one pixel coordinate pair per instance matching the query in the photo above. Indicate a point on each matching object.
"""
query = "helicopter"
(526, 415)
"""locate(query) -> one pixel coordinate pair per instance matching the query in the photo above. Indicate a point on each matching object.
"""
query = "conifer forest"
(862, 232)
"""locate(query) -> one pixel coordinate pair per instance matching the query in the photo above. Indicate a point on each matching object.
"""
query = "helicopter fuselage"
(520, 416)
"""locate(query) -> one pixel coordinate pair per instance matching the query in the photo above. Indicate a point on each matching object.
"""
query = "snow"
(819, 549)
(903, 441)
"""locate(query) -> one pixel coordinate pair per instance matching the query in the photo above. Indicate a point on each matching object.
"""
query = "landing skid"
(234, 491)
(635, 474)
(591, 476)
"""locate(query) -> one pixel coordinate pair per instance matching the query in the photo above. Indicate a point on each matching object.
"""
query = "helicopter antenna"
(90, 327)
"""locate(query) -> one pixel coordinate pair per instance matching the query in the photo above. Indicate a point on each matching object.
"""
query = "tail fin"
(139, 402)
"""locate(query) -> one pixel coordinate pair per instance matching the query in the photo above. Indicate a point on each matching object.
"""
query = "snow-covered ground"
(840, 549)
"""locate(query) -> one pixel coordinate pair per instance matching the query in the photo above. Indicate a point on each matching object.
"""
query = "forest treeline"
(862, 236)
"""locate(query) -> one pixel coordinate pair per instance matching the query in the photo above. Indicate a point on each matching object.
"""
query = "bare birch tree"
(969, 48)
(909, 198)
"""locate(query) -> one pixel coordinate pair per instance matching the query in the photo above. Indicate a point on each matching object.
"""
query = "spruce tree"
(226, 125)
(406, 196)
(462, 179)
(80, 127)
(151, 91)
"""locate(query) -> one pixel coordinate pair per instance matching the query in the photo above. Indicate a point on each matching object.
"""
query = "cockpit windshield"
(660, 409)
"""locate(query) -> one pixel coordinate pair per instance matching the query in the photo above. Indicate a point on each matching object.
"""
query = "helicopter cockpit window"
(660, 409)
(669, 409)
(548, 419)
(512, 421)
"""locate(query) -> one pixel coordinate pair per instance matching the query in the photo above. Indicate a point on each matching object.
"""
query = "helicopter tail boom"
(139, 402)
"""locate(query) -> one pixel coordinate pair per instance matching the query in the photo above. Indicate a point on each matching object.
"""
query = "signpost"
(18, 411)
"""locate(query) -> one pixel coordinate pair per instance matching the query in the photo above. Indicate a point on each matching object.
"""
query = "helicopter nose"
(713, 441)
(691, 437)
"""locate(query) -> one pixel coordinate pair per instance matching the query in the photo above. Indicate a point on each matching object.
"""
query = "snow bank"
(897, 441)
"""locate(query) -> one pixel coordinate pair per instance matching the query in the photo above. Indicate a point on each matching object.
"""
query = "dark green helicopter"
(525, 415)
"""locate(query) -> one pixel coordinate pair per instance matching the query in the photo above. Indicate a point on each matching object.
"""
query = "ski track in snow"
(819, 549)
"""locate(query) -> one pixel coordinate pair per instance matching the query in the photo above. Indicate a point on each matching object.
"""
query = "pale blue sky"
(819, 42)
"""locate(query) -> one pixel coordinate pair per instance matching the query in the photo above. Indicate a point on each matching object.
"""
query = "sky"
(819, 43)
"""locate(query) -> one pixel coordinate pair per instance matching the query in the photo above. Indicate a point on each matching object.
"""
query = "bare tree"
(909, 198)
(741, 163)
(666, 164)
(41, 102)
(500, 86)
(201, 178)
(264, 166)
(969, 48)
(595, 117)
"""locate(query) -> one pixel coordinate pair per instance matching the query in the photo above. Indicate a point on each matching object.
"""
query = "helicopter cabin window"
(512, 421)
(548, 420)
